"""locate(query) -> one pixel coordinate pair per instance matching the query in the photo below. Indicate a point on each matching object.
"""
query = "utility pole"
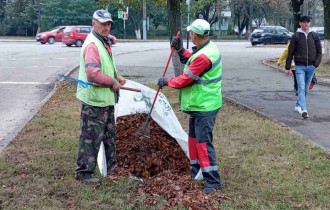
(188, 3)
(144, 20)
(219, 16)
(306, 7)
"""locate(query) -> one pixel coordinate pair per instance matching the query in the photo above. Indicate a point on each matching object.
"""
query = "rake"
(144, 129)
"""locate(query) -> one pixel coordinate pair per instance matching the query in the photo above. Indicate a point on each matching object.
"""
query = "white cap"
(199, 26)
(102, 16)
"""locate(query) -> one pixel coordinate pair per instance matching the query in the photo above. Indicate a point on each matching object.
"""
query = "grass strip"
(263, 165)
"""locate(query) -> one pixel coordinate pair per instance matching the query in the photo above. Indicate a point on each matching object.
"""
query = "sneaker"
(311, 86)
(87, 178)
(210, 190)
(304, 114)
(298, 109)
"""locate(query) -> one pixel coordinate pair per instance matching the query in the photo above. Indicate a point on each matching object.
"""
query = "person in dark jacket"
(307, 54)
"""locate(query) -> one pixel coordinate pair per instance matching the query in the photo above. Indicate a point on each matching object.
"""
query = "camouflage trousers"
(97, 124)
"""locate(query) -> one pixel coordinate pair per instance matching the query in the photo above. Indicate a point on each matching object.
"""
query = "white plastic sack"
(101, 161)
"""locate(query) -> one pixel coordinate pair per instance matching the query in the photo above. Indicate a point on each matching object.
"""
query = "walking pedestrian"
(97, 113)
(307, 54)
(201, 98)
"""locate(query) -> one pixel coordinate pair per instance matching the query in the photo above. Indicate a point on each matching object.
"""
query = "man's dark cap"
(305, 18)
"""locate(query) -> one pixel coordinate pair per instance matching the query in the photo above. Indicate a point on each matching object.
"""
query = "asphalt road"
(33, 69)
(28, 71)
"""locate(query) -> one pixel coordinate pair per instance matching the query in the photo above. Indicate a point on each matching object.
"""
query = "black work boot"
(87, 178)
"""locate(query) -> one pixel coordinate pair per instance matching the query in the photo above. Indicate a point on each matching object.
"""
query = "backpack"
(314, 34)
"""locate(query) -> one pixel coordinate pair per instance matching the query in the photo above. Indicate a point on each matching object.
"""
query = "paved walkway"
(268, 91)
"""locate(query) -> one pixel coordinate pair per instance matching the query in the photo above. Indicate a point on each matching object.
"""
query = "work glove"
(162, 82)
(177, 43)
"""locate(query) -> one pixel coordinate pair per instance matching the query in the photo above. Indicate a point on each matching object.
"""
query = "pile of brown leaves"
(161, 163)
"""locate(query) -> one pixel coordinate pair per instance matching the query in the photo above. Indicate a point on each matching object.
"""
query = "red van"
(77, 34)
(54, 35)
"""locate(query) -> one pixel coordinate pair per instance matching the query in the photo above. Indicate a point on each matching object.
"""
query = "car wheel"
(51, 40)
(254, 43)
(69, 45)
(79, 43)
(268, 41)
(43, 42)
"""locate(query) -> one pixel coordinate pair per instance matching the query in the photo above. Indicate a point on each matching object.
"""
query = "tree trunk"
(296, 12)
(326, 5)
(174, 22)
(136, 27)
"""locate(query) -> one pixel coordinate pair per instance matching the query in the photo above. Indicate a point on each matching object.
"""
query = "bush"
(3, 29)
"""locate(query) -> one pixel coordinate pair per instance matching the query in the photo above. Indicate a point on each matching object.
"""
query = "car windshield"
(54, 29)
(258, 31)
(67, 30)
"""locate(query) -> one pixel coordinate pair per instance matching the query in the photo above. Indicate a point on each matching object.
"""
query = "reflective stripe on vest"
(205, 92)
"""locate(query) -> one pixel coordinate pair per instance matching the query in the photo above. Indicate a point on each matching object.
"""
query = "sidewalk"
(247, 81)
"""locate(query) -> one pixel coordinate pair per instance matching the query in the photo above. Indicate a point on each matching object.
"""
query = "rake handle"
(122, 87)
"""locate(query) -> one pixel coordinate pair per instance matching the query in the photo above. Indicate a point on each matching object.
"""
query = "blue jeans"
(304, 75)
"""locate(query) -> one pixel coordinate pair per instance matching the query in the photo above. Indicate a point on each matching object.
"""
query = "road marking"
(27, 67)
(54, 66)
(25, 83)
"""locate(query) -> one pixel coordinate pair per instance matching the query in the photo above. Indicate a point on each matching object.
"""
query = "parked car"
(54, 35)
(77, 34)
(269, 36)
(279, 27)
(319, 31)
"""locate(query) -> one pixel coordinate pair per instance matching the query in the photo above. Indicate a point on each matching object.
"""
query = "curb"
(16, 40)
(320, 80)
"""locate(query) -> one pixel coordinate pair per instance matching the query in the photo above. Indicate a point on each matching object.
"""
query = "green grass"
(132, 76)
(262, 164)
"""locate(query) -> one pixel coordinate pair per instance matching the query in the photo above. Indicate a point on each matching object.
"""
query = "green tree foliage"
(19, 18)
(272, 12)
(155, 11)
(206, 10)
(63, 12)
